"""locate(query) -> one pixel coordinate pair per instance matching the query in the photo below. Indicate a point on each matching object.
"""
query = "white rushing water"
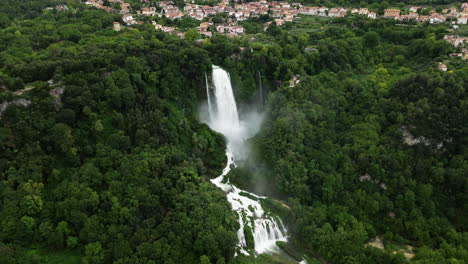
(224, 118)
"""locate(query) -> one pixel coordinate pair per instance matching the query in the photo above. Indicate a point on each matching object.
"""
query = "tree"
(192, 34)
(31, 202)
(205, 260)
(61, 137)
(273, 29)
(371, 39)
(94, 254)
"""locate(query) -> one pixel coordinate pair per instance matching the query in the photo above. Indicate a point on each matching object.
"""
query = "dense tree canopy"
(370, 143)
(120, 168)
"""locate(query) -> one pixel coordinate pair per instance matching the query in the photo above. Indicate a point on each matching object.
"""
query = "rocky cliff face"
(18, 102)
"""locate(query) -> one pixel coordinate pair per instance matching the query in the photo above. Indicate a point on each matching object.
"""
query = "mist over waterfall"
(224, 118)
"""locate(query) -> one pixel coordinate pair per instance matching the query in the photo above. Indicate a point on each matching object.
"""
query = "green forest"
(103, 158)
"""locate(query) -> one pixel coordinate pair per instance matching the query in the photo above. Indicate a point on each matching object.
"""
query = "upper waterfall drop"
(224, 115)
(224, 118)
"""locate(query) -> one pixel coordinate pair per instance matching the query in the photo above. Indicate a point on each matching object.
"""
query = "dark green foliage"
(334, 143)
(117, 170)
(120, 169)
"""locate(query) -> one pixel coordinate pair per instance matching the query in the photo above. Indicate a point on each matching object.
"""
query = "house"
(442, 67)
(437, 18)
(411, 16)
(171, 15)
(263, 11)
(455, 41)
(128, 19)
(124, 8)
(230, 10)
(279, 22)
(392, 13)
(337, 12)
(462, 20)
(424, 19)
(156, 25)
(167, 29)
(453, 13)
(276, 12)
(172, 12)
(209, 10)
(116, 26)
(199, 16)
(236, 29)
(414, 9)
(163, 28)
(285, 5)
(93, 2)
(343, 11)
(204, 26)
(220, 28)
(312, 11)
(405, 18)
(164, 4)
(354, 11)
(372, 15)
(323, 9)
(459, 54)
(151, 11)
(220, 7)
(363, 11)
(296, 5)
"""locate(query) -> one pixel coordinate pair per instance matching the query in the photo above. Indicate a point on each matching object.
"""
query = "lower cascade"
(224, 118)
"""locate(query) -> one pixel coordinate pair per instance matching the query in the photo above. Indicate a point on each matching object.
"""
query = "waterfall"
(260, 87)
(208, 96)
(266, 229)
(225, 117)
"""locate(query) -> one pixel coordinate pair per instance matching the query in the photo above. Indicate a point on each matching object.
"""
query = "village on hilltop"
(280, 11)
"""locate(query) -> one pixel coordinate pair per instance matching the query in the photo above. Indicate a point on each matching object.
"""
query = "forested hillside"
(11, 9)
(118, 168)
(103, 160)
(371, 142)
